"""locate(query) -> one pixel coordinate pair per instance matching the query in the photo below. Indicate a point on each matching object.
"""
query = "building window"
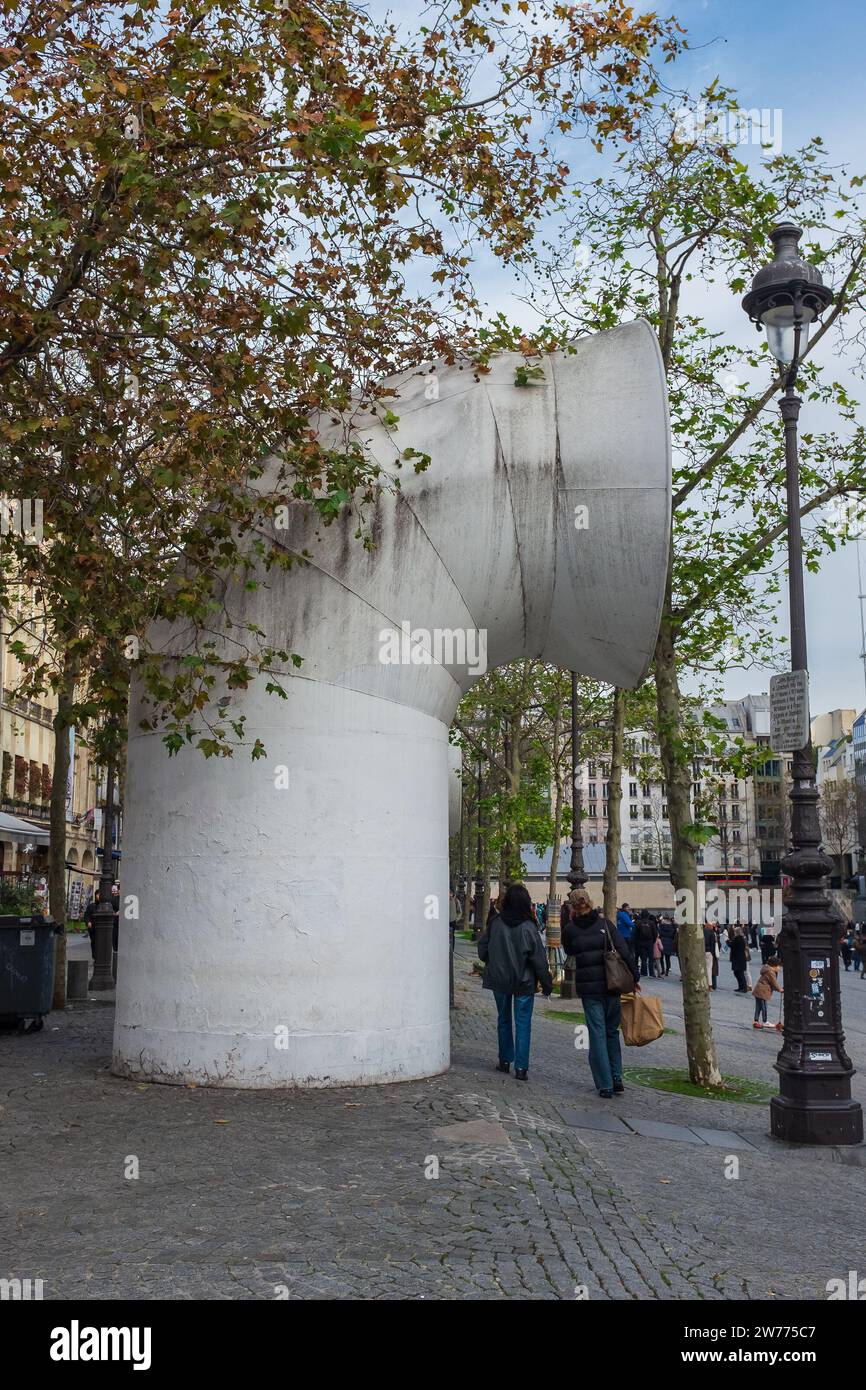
(590, 769)
(735, 813)
(591, 789)
(632, 768)
(632, 789)
(632, 812)
(646, 788)
(664, 810)
(591, 810)
(635, 856)
(647, 813)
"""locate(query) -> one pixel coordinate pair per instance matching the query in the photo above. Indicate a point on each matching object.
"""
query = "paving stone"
(722, 1138)
(592, 1119)
(326, 1193)
(657, 1129)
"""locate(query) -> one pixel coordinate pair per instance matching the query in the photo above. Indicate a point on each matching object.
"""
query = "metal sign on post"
(789, 711)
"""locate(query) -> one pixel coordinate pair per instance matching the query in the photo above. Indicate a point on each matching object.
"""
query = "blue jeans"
(514, 1047)
(602, 1013)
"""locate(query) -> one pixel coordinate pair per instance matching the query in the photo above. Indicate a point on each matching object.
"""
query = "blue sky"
(804, 60)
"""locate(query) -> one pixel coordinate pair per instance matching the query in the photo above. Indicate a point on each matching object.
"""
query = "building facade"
(27, 746)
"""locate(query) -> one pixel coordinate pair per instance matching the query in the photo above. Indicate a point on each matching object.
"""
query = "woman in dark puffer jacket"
(515, 962)
(585, 938)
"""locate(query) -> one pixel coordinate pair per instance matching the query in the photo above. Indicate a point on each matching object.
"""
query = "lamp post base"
(824, 1122)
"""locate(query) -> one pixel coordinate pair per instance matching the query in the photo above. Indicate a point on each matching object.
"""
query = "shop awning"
(21, 832)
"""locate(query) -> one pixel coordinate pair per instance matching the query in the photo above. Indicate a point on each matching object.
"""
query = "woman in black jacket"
(515, 959)
(739, 955)
(586, 937)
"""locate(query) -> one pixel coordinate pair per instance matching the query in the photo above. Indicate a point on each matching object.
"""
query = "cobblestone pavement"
(323, 1194)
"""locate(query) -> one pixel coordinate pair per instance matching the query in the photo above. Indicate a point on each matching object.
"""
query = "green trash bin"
(26, 970)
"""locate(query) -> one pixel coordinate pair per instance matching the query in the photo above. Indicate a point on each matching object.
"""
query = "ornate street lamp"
(814, 1105)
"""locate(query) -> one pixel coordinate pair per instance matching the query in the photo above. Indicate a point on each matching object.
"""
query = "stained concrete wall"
(272, 948)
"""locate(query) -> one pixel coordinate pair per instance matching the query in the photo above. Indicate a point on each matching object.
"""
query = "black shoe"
(618, 1088)
(520, 1074)
(607, 1095)
(503, 1066)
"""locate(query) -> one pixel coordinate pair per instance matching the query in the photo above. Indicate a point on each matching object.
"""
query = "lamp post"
(103, 917)
(576, 874)
(814, 1105)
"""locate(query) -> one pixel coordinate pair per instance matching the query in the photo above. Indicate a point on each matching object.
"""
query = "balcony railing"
(31, 709)
(25, 810)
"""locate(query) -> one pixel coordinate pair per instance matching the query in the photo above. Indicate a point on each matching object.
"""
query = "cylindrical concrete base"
(311, 947)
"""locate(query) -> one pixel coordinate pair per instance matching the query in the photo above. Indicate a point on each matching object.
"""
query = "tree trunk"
(613, 838)
(510, 862)
(57, 827)
(700, 1047)
(557, 842)
(485, 897)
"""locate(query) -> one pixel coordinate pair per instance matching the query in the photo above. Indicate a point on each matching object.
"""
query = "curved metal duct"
(297, 935)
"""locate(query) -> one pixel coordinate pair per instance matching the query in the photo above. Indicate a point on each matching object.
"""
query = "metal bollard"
(76, 979)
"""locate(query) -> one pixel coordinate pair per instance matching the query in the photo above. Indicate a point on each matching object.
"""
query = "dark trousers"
(741, 979)
(666, 962)
(646, 959)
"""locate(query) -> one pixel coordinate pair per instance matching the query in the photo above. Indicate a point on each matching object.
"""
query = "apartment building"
(27, 748)
(750, 813)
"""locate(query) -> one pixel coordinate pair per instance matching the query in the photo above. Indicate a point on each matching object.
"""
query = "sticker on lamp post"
(789, 711)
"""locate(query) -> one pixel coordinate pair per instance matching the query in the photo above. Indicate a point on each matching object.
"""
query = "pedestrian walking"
(711, 955)
(645, 934)
(587, 936)
(88, 921)
(668, 939)
(767, 982)
(768, 942)
(860, 950)
(845, 943)
(657, 957)
(740, 956)
(625, 925)
(515, 962)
